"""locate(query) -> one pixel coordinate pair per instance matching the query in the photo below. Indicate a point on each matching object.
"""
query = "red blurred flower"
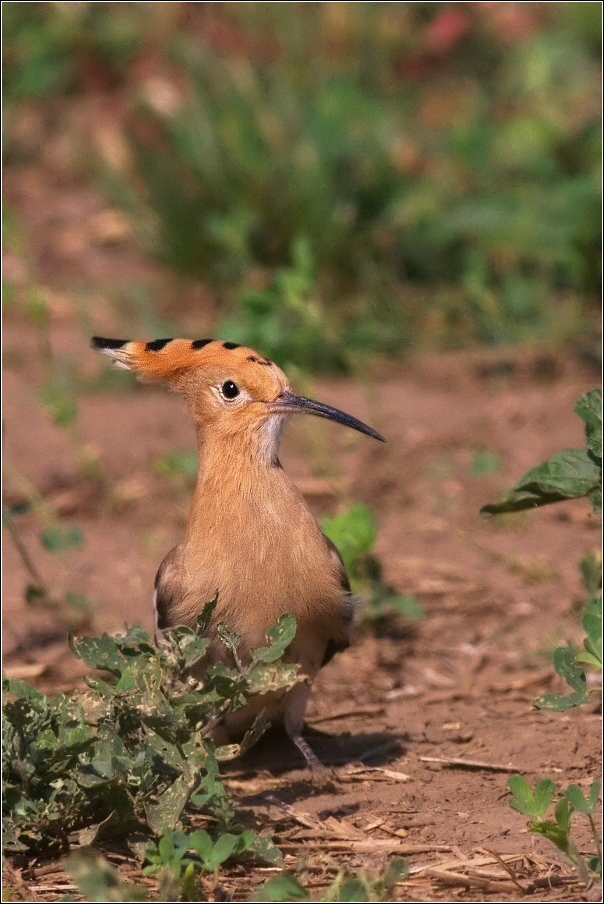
(446, 29)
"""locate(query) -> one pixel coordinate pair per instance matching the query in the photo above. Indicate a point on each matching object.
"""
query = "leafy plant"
(484, 462)
(179, 467)
(571, 800)
(345, 887)
(71, 609)
(570, 474)
(354, 533)
(133, 752)
(57, 538)
(567, 662)
(179, 874)
(286, 319)
(179, 858)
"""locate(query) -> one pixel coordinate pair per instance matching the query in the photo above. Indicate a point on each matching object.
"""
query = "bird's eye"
(230, 390)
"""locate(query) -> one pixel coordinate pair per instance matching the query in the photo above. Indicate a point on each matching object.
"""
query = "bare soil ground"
(397, 712)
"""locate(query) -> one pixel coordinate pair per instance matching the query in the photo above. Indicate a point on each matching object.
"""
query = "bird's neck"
(239, 478)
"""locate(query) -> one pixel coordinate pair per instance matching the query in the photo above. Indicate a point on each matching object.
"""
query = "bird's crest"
(162, 359)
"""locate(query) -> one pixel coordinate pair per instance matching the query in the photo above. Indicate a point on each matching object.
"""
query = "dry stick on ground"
(487, 885)
(506, 867)
(345, 713)
(468, 764)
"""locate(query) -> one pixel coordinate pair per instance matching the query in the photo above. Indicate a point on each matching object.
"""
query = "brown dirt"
(498, 595)
(458, 685)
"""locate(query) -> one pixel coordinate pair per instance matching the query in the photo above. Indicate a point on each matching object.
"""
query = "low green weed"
(353, 532)
(571, 800)
(570, 474)
(484, 462)
(72, 610)
(131, 753)
(286, 319)
(345, 887)
(179, 859)
(567, 662)
(180, 467)
(181, 863)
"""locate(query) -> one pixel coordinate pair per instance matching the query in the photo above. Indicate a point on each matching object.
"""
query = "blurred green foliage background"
(346, 178)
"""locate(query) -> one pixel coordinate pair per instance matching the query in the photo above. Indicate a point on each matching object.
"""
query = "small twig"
(507, 868)
(24, 554)
(467, 882)
(467, 764)
(302, 818)
(370, 846)
(388, 773)
(345, 713)
(447, 864)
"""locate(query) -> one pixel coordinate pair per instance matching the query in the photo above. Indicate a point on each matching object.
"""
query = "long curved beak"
(289, 403)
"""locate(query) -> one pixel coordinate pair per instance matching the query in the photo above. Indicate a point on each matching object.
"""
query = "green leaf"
(265, 677)
(396, 870)
(203, 620)
(525, 801)
(230, 638)
(592, 624)
(259, 726)
(191, 645)
(283, 887)
(589, 409)
(58, 538)
(60, 404)
(484, 462)
(98, 881)
(222, 850)
(201, 843)
(563, 812)
(279, 638)
(563, 659)
(570, 474)
(553, 832)
(164, 814)
(591, 572)
(100, 653)
(353, 532)
(264, 849)
(564, 662)
(578, 800)
(352, 889)
(387, 602)
(595, 498)
(178, 463)
(22, 689)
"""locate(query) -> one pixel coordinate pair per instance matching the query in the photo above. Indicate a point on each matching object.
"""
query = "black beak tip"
(289, 402)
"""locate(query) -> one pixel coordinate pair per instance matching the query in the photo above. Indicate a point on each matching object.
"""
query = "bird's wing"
(167, 590)
(343, 639)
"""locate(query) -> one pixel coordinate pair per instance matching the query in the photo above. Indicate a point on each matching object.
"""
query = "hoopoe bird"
(250, 538)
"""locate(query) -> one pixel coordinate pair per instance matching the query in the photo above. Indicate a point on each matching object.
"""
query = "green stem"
(596, 837)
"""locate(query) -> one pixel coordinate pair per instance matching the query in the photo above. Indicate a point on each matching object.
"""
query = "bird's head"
(231, 390)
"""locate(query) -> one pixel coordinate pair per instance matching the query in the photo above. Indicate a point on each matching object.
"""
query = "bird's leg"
(293, 719)
(312, 760)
